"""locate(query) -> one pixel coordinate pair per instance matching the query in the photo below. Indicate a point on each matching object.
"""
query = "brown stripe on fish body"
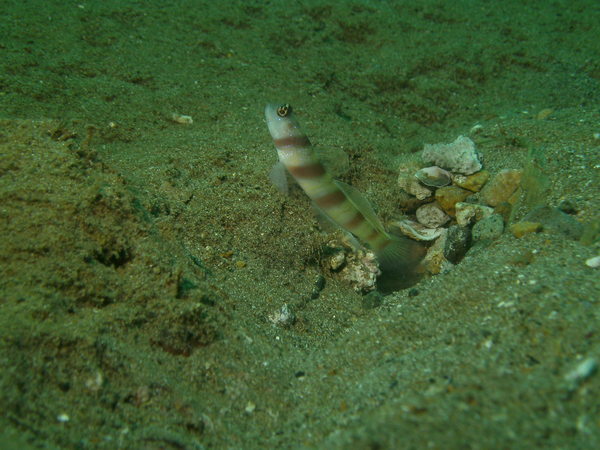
(310, 170)
(347, 216)
(319, 187)
(342, 211)
(330, 200)
(362, 229)
(355, 221)
(372, 236)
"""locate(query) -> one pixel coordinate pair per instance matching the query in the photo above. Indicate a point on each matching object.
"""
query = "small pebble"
(474, 182)
(431, 215)
(448, 196)
(283, 317)
(372, 300)
(520, 229)
(182, 119)
(318, 287)
(459, 156)
(408, 183)
(488, 228)
(434, 261)
(408, 202)
(457, 243)
(523, 258)
(337, 259)
(467, 213)
(502, 187)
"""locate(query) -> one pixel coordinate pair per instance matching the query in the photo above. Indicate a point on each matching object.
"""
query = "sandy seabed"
(142, 257)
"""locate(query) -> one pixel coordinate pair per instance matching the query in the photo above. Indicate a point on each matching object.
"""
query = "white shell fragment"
(337, 259)
(283, 316)
(583, 370)
(434, 176)
(417, 231)
(431, 215)
(467, 213)
(182, 119)
(459, 156)
(593, 262)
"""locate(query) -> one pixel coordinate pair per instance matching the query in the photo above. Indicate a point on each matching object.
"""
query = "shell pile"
(444, 193)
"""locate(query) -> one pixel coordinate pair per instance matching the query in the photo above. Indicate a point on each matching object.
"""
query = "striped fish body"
(398, 257)
(338, 201)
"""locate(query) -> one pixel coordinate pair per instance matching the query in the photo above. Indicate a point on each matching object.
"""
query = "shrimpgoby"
(340, 202)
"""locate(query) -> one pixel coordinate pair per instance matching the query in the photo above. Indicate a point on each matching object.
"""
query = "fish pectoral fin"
(278, 176)
(361, 203)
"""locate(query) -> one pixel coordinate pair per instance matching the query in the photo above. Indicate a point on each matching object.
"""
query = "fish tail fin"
(399, 264)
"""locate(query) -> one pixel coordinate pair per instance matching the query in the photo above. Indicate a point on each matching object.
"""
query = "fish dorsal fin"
(359, 201)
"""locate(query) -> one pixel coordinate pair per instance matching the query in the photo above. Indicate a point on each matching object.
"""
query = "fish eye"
(284, 110)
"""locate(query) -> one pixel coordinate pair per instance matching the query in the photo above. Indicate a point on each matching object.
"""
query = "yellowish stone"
(520, 229)
(501, 187)
(474, 182)
(448, 196)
